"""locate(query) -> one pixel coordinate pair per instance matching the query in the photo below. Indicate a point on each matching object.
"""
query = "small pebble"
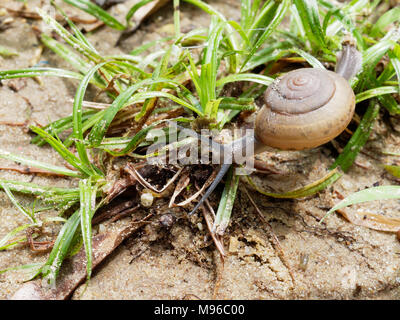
(167, 220)
(146, 199)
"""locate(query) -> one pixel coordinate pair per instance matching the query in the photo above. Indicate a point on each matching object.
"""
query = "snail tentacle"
(221, 173)
(349, 61)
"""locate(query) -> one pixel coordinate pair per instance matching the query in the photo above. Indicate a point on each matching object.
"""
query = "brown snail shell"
(304, 109)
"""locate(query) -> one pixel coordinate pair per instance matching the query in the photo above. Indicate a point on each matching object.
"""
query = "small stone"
(167, 220)
(146, 199)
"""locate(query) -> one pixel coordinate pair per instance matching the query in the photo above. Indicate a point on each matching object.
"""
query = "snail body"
(304, 109)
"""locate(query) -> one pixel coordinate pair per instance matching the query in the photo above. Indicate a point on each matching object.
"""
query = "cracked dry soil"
(334, 260)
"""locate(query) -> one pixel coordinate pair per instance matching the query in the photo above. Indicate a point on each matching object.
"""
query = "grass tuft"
(191, 72)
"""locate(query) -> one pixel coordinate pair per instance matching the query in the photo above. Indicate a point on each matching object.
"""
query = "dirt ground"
(345, 261)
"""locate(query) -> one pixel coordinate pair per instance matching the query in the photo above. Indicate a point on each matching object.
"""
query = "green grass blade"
(240, 31)
(375, 92)
(160, 94)
(270, 53)
(395, 60)
(389, 103)
(207, 8)
(314, 62)
(25, 212)
(369, 194)
(373, 55)
(56, 127)
(66, 53)
(160, 71)
(177, 20)
(195, 36)
(36, 190)
(148, 45)
(77, 117)
(212, 108)
(345, 20)
(6, 53)
(63, 151)
(4, 245)
(245, 14)
(87, 210)
(74, 42)
(210, 64)
(278, 16)
(352, 9)
(226, 203)
(358, 139)
(4, 242)
(125, 98)
(251, 77)
(38, 164)
(30, 266)
(86, 125)
(60, 249)
(97, 12)
(240, 104)
(393, 170)
(230, 36)
(308, 11)
(262, 20)
(74, 28)
(133, 10)
(306, 191)
(386, 19)
(131, 144)
(37, 72)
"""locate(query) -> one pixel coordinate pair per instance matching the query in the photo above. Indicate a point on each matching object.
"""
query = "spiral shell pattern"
(304, 109)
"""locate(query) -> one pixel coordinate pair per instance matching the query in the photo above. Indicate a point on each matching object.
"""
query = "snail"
(302, 109)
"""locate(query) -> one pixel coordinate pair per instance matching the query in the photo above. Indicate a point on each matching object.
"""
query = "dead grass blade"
(371, 220)
(209, 217)
(180, 186)
(199, 192)
(132, 171)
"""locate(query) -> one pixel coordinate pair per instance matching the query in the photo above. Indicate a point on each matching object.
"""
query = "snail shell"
(304, 109)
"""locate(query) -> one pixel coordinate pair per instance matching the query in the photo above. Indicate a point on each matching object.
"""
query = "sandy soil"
(344, 261)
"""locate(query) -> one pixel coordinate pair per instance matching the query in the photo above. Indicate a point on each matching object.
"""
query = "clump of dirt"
(173, 256)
